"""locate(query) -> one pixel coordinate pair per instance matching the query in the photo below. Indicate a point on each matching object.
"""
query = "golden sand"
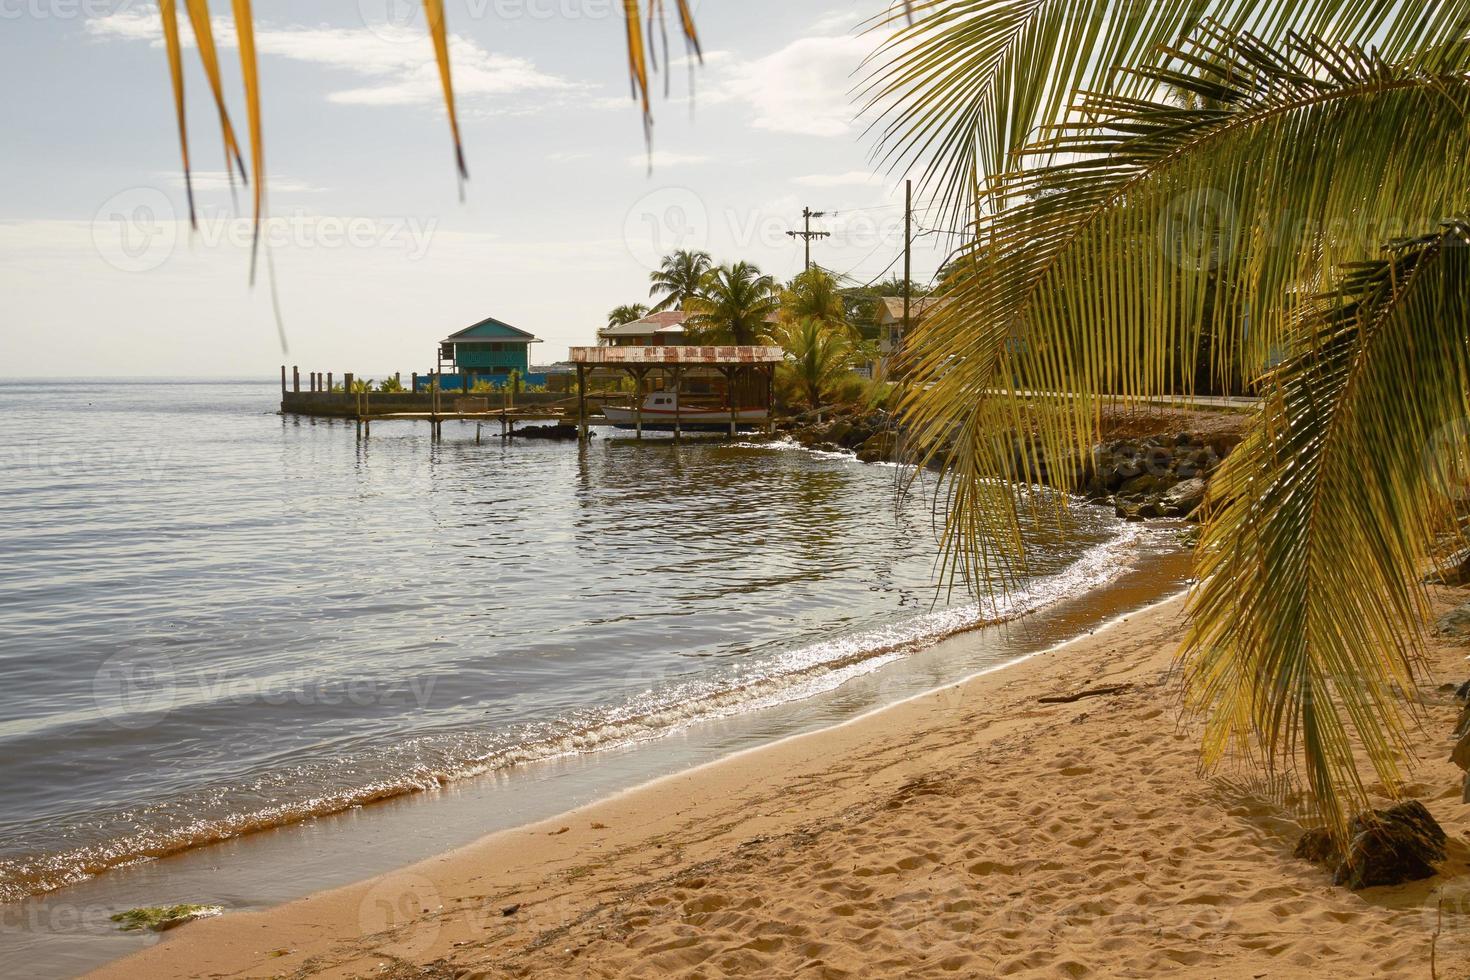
(973, 831)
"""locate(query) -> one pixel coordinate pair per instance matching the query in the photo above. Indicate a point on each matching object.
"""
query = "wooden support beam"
(582, 402)
(678, 405)
(283, 381)
(296, 379)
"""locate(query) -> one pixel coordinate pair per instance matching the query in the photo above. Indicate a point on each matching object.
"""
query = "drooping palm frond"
(439, 31)
(250, 71)
(954, 95)
(1306, 626)
(244, 20)
(209, 57)
(1169, 224)
(168, 10)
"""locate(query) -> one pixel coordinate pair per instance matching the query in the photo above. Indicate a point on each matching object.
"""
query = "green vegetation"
(161, 917)
(391, 385)
(627, 313)
(680, 279)
(733, 306)
(1268, 195)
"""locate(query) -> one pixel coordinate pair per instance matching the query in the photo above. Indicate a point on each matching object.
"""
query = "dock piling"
(283, 381)
(296, 379)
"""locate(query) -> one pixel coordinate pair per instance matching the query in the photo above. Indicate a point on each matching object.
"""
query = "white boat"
(662, 408)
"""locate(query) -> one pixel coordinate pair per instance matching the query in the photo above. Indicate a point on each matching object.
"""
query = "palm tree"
(679, 279)
(734, 305)
(819, 355)
(813, 294)
(1262, 217)
(627, 313)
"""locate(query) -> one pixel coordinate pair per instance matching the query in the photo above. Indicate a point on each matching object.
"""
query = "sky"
(375, 256)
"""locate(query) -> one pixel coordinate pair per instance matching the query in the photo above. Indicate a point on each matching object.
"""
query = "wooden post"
(415, 388)
(347, 383)
(638, 375)
(283, 382)
(678, 405)
(478, 427)
(464, 383)
(329, 382)
(729, 395)
(296, 379)
(582, 402)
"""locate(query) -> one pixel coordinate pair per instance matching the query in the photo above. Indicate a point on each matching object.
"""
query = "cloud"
(664, 158)
(397, 63)
(803, 88)
(853, 178)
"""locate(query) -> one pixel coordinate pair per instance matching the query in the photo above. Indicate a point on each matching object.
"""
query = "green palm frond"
(734, 305)
(956, 93)
(819, 356)
(678, 279)
(1169, 224)
(1306, 626)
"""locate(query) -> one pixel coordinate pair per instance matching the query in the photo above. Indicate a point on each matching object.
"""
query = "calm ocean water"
(214, 619)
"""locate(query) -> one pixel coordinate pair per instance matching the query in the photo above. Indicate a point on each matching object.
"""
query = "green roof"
(491, 329)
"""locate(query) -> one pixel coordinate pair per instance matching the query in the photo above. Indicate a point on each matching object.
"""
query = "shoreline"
(874, 843)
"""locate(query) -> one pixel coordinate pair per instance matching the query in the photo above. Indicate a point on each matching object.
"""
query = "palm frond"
(168, 10)
(199, 22)
(1306, 627)
(1170, 223)
(956, 93)
(250, 71)
(439, 31)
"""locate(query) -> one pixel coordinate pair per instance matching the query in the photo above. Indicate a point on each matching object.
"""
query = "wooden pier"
(745, 374)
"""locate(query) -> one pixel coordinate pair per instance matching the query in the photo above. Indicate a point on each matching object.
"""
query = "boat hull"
(691, 419)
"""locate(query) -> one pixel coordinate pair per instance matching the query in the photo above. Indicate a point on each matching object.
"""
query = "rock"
(1456, 622)
(1385, 847)
(1183, 499)
(1454, 571)
(1140, 486)
(564, 431)
(881, 448)
(1463, 691)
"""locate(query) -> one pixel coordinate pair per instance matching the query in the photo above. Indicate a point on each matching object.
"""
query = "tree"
(627, 313)
(814, 295)
(679, 279)
(734, 305)
(819, 355)
(1262, 216)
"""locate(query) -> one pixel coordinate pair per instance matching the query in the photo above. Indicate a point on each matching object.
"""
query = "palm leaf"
(249, 69)
(434, 10)
(199, 21)
(956, 93)
(1307, 626)
(168, 10)
(1087, 269)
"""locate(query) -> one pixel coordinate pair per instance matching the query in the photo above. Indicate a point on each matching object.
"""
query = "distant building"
(891, 325)
(488, 351)
(655, 330)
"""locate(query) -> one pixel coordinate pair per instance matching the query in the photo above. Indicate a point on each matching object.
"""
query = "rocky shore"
(1142, 474)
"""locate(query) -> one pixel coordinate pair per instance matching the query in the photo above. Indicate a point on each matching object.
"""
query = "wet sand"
(970, 831)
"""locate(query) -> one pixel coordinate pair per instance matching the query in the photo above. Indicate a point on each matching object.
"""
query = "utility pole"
(908, 254)
(808, 214)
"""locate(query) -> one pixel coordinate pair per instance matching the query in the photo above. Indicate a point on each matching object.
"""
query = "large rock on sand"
(1456, 622)
(1183, 499)
(1385, 847)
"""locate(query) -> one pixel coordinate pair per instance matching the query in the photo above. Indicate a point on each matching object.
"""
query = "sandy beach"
(974, 831)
